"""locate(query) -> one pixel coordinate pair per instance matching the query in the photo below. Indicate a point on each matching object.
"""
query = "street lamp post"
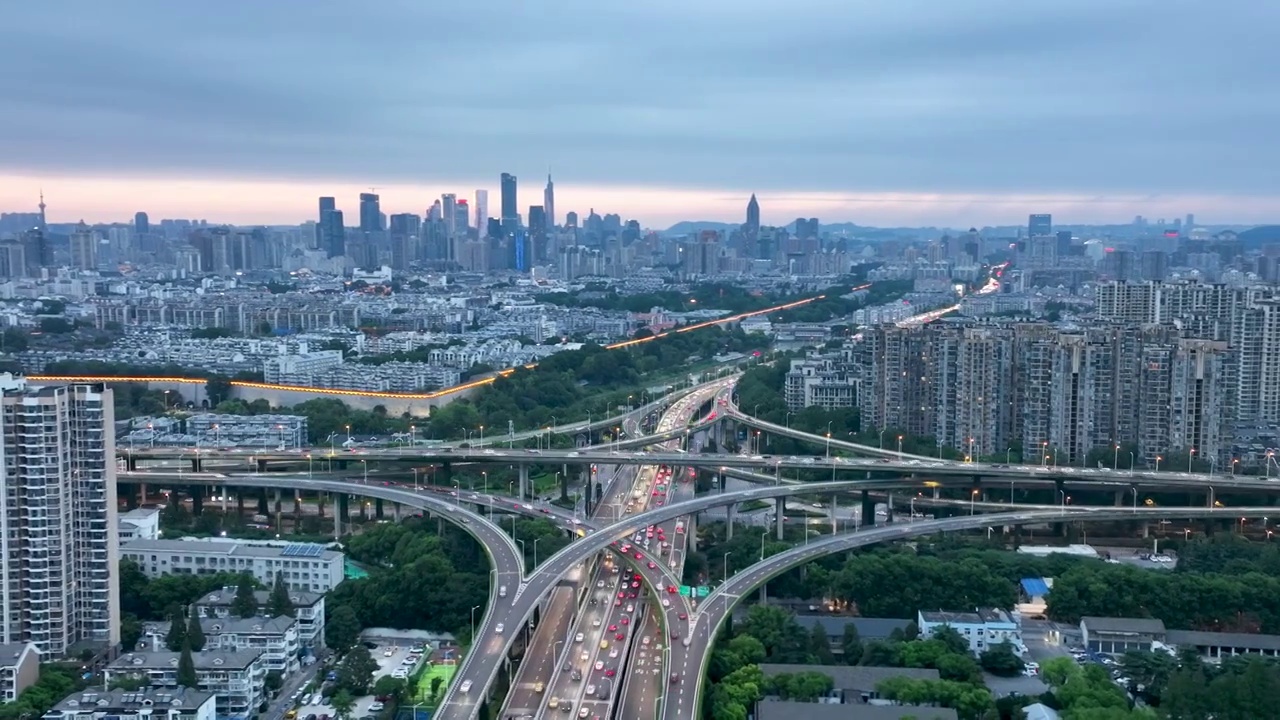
(899, 446)
(1008, 456)
(535, 551)
(763, 535)
(882, 439)
(1115, 458)
(1158, 459)
(973, 498)
(473, 621)
(481, 436)
(308, 465)
(1135, 498)
(1190, 454)
(726, 565)
(1044, 456)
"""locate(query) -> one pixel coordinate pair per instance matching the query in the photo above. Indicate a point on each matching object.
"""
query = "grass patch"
(422, 693)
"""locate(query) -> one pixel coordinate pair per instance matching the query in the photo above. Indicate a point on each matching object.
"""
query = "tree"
(273, 681)
(187, 669)
(279, 603)
(195, 633)
(356, 670)
(130, 631)
(436, 682)
(389, 687)
(952, 638)
(177, 636)
(342, 629)
(128, 682)
(245, 604)
(342, 702)
(1001, 660)
(851, 644)
(820, 646)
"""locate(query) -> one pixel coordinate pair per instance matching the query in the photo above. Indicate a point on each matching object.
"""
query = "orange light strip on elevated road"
(402, 396)
(709, 323)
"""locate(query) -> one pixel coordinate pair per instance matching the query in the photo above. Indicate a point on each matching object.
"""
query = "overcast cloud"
(832, 96)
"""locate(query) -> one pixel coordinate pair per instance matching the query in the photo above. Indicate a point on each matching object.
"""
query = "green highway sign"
(686, 591)
(703, 591)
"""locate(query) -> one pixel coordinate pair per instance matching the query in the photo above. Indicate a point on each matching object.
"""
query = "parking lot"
(390, 658)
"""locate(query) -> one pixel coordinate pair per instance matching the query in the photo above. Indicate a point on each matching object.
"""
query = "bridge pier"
(395, 511)
(142, 493)
(835, 528)
(691, 533)
(344, 509)
(263, 509)
(524, 481)
(196, 464)
(261, 465)
(377, 508)
(1119, 499)
(337, 518)
(279, 521)
(935, 492)
(731, 514)
(780, 507)
(197, 500)
(320, 505)
(868, 509)
(239, 502)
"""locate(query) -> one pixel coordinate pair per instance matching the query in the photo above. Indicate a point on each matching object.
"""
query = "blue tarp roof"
(1035, 587)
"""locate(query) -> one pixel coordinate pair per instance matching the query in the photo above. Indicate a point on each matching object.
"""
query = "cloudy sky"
(887, 112)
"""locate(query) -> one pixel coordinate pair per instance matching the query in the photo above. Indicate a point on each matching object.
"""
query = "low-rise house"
(19, 669)
(145, 704)
(237, 679)
(308, 610)
(983, 628)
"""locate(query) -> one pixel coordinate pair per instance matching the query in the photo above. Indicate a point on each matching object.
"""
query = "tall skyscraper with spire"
(549, 203)
(753, 216)
(43, 223)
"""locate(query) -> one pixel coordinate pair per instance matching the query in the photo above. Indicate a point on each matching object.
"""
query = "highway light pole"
(726, 565)
(1135, 498)
(764, 535)
(473, 622)
(1115, 458)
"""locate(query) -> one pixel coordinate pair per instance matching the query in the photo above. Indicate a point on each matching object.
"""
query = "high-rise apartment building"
(141, 224)
(370, 213)
(58, 581)
(461, 218)
(482, 213)
(84, 248)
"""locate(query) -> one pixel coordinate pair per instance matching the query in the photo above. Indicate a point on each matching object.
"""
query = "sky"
(889, 113)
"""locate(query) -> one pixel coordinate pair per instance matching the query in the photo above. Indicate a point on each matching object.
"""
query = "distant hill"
(1259, 236)
(690, 227)
(693, 227)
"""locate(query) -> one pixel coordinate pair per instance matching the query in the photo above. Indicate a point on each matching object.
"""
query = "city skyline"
(862, 112)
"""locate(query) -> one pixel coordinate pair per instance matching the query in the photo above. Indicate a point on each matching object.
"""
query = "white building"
(308, 610)
(983, 628)
(236, 679)
(19, 669)
(146, 704)
(275, 638)
(59, 584)
(139, 524)
(304, 566)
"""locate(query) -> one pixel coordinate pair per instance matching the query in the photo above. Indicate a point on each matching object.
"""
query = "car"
(499, 628)
(675, 678)
(619, 636)
(613, 628)
(653, 565)
(604, 644)
(599, 665)
(599, 583)
(622, 593)
(544, 510)
(411, 660)
(635, 583)
(637, 576)
(617, 603)
(625, 620)
(584, 712)
(610, 672)
(644, 640)
(633, 595)
(553, 703)
(595, 622)
(613, 653)
(466, 685)
(400, 674)
(639, 556)
(672, 589)
(389, 652)
(666, 544)
(580, 637)
(666, 603)
(576, 675)
(376, 707)
(591, 689)
(631, 608)
(585, 656)
(675, 635)
(684, 616)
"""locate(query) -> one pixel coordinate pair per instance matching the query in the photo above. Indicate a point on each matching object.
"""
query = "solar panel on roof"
(306, 550)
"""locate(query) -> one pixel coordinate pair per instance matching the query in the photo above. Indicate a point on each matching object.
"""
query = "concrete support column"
(691, 533)
(731, 514)
(320, 505)
(195, 464)
(131, 463)
(142, 494)
(278, 504)
(263, 506)
(262, 466)
(935, 492)
(364, 510)
(344, 508)
(337, 518)
(868, 509)
(1120, 498)
(131, 500)
(240, 503)
(780, 507)
(525, 490)
(377, 508)
(197, 500)
(835, 521)
(395, 511)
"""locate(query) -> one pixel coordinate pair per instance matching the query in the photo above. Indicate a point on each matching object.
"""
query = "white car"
(666, 603)
(500, 627)
(580, 637)
(376, 707)
(599, 665)
(595, 623)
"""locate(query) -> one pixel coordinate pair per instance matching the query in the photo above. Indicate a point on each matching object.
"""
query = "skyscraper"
(141, 224)
(548, 204)
(370, 213)
(448, 201)
(1040, 225)
(509, 211)
(84, 248)
(537, 233)
(59, 585)
(333, 233)
(482, 213)
(327, 204)
(461, 218)
(753, 215)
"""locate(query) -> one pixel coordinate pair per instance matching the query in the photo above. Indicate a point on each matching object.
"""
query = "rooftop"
(789, 710)
(1129, 626)
(851, 677)
(205, 660)
(298, 550)
(1245, 641)
(108, 700)
(225, 596)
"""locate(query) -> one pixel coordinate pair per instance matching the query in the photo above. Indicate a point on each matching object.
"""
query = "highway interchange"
(633, 478)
